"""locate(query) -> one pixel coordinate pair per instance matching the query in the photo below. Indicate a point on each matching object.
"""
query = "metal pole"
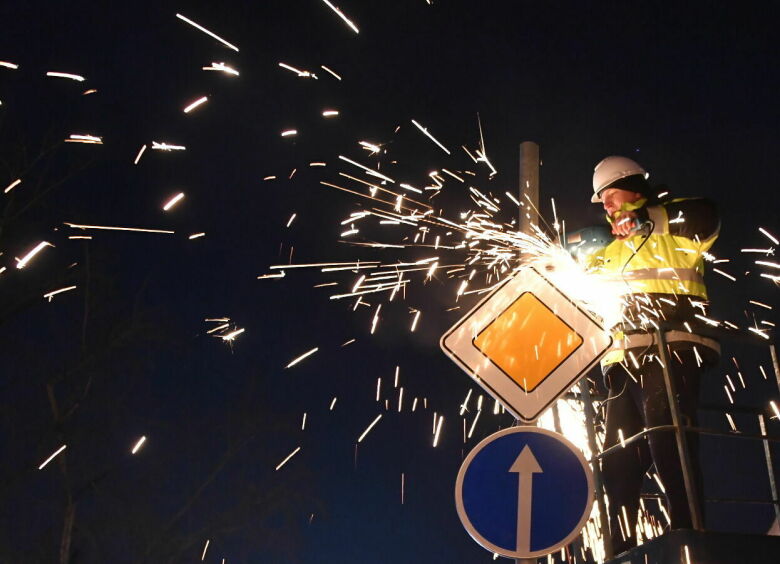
(680, 434)
(529, 186)
(590, 422)
(770, 470)
(773, 352)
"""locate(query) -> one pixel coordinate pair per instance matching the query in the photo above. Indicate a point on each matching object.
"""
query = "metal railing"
(681, 431)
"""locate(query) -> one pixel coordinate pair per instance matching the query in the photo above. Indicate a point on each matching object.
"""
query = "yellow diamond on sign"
(528, 341)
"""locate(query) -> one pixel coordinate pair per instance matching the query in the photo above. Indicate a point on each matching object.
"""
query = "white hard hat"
(611, 169)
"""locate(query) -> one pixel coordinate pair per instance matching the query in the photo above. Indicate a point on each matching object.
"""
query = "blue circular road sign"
(524, 492)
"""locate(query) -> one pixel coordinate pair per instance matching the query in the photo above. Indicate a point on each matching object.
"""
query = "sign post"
(524, 492)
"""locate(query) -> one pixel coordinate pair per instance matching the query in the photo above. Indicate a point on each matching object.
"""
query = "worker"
(657, 255)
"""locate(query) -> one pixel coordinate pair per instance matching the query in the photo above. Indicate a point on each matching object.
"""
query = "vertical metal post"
(770, 470)
(773, 352)
(590, 421)
(529, 186)
(680, 435)
(767, 452)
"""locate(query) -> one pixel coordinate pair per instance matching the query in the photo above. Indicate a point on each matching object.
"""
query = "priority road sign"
(526, 343)
(524, 492)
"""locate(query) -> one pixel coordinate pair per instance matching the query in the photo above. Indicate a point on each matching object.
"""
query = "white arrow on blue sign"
(524, 492)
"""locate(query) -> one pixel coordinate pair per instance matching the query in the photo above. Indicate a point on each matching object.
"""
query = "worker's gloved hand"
(624, 224)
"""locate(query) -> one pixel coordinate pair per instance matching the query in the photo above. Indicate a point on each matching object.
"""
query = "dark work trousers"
(642, 402)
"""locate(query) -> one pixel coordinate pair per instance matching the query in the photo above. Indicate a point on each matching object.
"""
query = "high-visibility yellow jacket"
(662, 266)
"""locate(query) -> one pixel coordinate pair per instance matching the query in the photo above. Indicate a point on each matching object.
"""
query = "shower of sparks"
(222, 67)
(140, 154)
(139, 443)
(289, 132)
(8, 65)
(232, 335)
(299, 72)
(173, 201)
(368, 170)
(729, 276)
(326, 69)
(769, 235)
(332, 404)
(45, 462)
(303, 356)
(205, 548)
(371, 426)
(110, 228)
(342, 16)
(89, 139)
(76, 77)
(21, 263)
(167, 147)
(289, 221)
(289, 456)
(266, 276)
(51, 295)
(431, 137)
(330, 113)
(759, 332)
(12, 185)
(414, 321)
(207, 32)
(200, 101)
(438, 431)
(197, 235)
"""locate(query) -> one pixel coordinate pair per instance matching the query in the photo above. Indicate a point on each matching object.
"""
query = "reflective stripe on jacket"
(664, 259)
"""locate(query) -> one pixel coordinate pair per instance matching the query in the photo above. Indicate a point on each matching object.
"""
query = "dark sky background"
(688, 91)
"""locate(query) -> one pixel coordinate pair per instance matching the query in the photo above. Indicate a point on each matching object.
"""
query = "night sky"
(688, 91)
